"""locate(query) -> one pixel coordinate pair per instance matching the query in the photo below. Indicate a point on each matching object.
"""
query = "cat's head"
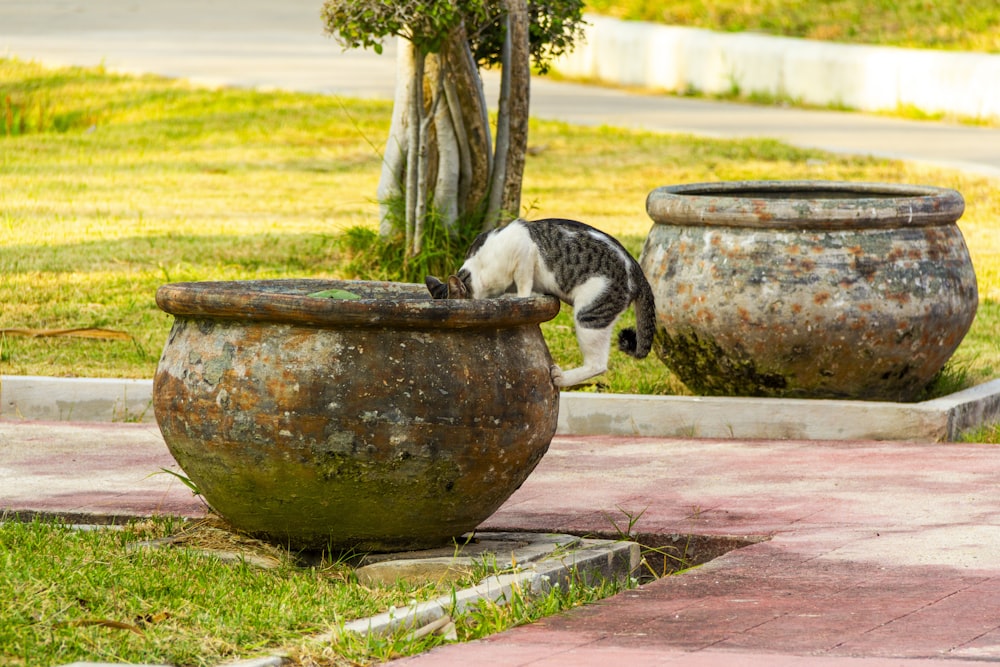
(476, 274)
(469, 282)
(455, 288)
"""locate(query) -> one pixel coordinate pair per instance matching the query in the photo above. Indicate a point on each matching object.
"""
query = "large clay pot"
(386, 423)
(808, 288)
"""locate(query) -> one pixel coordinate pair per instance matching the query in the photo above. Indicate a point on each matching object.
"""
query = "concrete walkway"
(861, 553)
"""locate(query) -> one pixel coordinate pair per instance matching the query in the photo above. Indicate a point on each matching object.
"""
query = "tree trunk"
(465, 86)
(494, 213)
(423, 158)
(413, 148)
(512, 118)
(520, 89)
(462, 148)
(453, 132)
(449, 153)
(391, 182)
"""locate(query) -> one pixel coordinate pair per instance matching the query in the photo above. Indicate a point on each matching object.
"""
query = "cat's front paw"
(557, 376)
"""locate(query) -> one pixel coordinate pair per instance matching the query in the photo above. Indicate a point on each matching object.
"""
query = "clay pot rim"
(287, 301)
(761, 204)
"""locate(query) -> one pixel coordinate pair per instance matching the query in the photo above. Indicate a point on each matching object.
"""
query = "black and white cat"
(581, 265)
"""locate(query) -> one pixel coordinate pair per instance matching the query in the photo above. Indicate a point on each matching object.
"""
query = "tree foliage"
(367, 23)
(554, 25)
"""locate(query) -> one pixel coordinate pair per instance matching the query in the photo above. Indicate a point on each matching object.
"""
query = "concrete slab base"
(536, 563)
(943, 419)
(505, 550)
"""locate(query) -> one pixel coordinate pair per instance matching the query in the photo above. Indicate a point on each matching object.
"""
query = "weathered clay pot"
(808, 288)
(387, 423)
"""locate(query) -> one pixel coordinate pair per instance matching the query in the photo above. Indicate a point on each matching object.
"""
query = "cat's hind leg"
(595, 345)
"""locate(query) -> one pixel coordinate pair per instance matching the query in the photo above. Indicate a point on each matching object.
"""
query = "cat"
(581, 265)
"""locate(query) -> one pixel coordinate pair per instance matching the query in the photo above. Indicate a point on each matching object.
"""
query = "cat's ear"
(457, 288)
(438, 289)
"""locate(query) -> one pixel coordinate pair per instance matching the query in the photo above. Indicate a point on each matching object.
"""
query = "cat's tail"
(639, 341)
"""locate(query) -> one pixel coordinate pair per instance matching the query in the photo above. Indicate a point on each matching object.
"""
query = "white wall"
(868, 78)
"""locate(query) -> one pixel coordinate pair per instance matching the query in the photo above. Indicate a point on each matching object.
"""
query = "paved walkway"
(887, 552)
(872, 554)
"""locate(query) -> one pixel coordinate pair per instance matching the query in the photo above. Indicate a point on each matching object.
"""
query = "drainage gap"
(663, 554)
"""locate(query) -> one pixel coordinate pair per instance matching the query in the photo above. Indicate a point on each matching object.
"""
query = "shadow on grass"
(196, 257)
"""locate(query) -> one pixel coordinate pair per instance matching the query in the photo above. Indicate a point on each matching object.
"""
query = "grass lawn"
(964, 25)
(94, 595)
(112, 185)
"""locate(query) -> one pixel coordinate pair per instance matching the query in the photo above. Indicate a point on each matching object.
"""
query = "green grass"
(91, 595)
(84, 595)
(148, 181)
(988, 434)
(964, 25)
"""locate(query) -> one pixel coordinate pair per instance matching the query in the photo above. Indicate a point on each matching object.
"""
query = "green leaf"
(336, 294)
(184, 480)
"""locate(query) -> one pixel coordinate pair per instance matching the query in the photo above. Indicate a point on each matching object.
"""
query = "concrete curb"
(605, 559)
(778, 418)
(868, 78)
(122, 400)
(39, 398)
